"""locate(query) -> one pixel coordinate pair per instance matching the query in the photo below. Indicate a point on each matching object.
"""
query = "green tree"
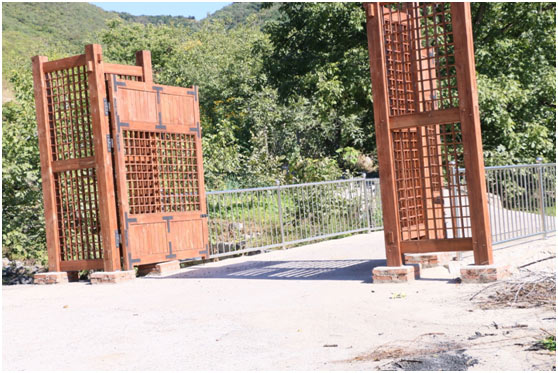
(23, 228)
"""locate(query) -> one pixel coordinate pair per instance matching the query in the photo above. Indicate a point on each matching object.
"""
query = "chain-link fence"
(522, 203)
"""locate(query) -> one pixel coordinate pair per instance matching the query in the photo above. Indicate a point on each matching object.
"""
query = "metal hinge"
(107, 106)
(117, 236)
(109, 143)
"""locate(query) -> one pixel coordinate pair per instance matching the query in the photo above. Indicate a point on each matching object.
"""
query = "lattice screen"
(161, 171)
(429, 119)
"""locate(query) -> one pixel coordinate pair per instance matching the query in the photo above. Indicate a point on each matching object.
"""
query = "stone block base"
(406, 273)
(477, 274)
(112, 277)
(429, 260)
(48, 278)
(159, 269)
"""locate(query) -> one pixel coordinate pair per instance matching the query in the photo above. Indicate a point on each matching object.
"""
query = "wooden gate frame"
(467, 114)
(81, 78)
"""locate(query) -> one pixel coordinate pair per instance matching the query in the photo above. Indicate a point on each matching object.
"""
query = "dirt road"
(311, 307)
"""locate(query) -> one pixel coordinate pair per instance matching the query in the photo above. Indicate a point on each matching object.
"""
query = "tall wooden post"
(143, 59)
(47, 176)
(471, 131)
(383, 135)
(103, 161)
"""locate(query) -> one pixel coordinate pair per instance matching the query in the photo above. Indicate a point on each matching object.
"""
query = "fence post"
(456, 222)
(541, 195)
(366, 203)
(278, 183)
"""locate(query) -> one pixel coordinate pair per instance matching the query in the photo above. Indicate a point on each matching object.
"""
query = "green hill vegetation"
(61, 29)
(45, 28)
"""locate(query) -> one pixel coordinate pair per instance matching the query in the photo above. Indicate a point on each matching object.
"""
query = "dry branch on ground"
(529, 289)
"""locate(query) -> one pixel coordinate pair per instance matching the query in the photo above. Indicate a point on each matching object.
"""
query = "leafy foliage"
(23, 230)
(291, 101)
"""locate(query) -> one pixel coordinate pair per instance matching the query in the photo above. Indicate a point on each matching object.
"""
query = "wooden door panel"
(147, 239)
(159, 172)
(186, 237)
(177, 110)
(139, 106)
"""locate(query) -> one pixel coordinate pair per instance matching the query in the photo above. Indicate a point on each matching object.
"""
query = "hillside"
(239, 13)
(38, 28)
(62, 29)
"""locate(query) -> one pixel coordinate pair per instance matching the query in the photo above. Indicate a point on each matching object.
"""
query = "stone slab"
(478, 274)
(159, 269)
(429, 260)
(112, 277)
(406, 273)
(50, 278)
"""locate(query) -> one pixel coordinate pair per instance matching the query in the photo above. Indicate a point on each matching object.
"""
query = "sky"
(198, 10)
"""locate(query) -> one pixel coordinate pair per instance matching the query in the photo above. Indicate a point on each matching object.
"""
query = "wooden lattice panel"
(77, 205)
(420, 57)
(428, 129)
(76, 168)
(161, 172)
(67, 93)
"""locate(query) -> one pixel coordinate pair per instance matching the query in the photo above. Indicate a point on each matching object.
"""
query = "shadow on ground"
(341, 270)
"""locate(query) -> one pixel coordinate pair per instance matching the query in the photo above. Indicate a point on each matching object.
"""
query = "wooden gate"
(84, 218)
(159, 171)
(428, 129)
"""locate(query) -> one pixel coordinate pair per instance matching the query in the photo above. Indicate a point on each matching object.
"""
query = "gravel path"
(307, 308)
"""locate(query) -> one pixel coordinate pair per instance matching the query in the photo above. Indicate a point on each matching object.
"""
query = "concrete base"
(112, 277)
(428, 260)
(49, 278)
(406, 273)
(477, 274)
(159, 269)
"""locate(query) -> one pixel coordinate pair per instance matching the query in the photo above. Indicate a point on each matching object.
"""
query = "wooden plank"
(444, 116)
(49, 194)
(471, 132)
(112, 68)
(73, 164)
(107, 202)
(167, 89)
(158, 217)
(143, 59)
(78, 265)
(378, 75)
(437, 245)
(64, 63)
(201, 182)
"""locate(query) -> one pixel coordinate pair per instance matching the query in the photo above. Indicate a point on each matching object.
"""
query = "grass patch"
(549, 343)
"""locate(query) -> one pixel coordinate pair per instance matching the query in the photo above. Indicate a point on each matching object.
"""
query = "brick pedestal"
(112, 277)
(474, 274)
(428, 260)
(159, 269)
(49, 278)
(406, 273)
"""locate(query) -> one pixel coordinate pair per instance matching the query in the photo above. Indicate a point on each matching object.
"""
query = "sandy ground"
(307, 308)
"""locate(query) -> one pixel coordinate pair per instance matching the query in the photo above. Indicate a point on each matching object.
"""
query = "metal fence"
(262, 218)
(522, 203)
(522, 200)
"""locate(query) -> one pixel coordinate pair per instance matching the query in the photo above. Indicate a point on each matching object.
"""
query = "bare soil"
(307, 308)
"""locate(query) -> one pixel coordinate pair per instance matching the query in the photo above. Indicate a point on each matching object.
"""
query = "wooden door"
(159, 172)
